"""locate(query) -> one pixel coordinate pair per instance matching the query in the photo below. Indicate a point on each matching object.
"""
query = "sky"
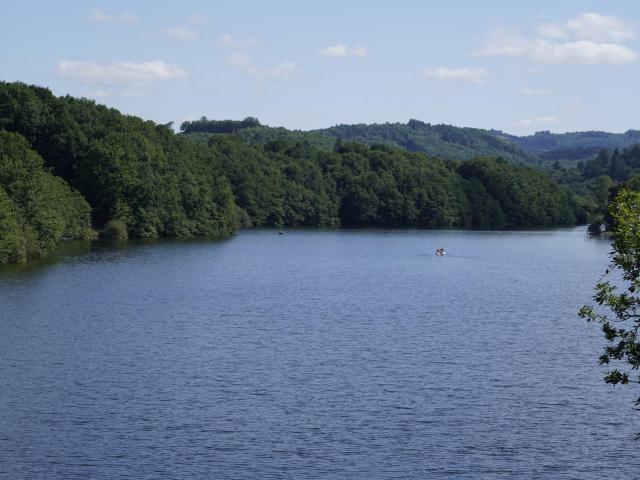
(512, 65)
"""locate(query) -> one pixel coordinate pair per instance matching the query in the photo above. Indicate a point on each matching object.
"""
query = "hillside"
(543, 149)
(444, 141)
(571, 146)
(127, 177)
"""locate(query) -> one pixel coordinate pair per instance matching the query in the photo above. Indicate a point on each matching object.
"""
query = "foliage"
(263, 135)
(619, 165)
(525, 195)
(355, 185)
(621, 322)
(142, 180)
(134, 171)
(36, 209)
(599, 179)
(444, 141)
(114, 230)
(571, 145)
(218, 126)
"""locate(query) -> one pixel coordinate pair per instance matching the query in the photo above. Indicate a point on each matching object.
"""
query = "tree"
(620, 321)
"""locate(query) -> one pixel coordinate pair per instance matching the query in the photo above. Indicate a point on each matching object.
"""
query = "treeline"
(218, 126)
(600, 178)
(140, 179)
(355, 185)
(443, 141)
(36, 209)
(618, 165)
(545, 141)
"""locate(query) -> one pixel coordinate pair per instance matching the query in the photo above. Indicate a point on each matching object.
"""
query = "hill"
(543, 149)
(127, 177)
(571, 147)
(444, 141)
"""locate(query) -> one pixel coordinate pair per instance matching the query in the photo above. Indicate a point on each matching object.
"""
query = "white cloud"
(537, 122)
(121, 74)
(469, 75)
(102, 16)
(227, 41)
(281, 71)
(535, 92)
(589, 39)
(590, 26)
(180, 33)
(341, 50)
(585, 52)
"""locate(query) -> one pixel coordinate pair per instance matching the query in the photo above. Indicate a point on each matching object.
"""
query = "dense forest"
(36, 209)
(218, 126)
(125, 177)
(545, 141)
(139, 178)
(600, 178)
(571, 146)
(543, 149)
(443, 141)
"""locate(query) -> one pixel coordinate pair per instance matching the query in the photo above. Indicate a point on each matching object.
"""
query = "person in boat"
(440, 251)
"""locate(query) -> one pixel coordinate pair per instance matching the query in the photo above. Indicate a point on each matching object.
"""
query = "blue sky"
(515, 66)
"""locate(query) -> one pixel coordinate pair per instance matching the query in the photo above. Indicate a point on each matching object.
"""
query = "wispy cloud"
(103, 16)
(469, 75)
(590, 26)
(342, 50)
(280, 71)
(121, 74)
(535, 92)
(180, 33)
(588, 39)
(227, 41)
(537, 122)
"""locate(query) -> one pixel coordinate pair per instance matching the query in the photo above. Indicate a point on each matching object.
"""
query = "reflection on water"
(93, 250)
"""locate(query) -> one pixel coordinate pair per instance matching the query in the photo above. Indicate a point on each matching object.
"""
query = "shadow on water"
(95, 251)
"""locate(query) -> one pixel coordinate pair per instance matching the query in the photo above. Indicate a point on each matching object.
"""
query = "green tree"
(10, 234)
(618, 304)
(37, 210)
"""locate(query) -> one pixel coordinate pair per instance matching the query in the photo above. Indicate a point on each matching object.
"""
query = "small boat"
(440, 252)
(281, 232)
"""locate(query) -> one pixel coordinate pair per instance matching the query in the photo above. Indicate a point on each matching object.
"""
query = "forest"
(600, 178)
(70, 168)
(571, 145)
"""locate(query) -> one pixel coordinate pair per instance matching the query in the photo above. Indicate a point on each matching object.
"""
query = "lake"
(312, 355)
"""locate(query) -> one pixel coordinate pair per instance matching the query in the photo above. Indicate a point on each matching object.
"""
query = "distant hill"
(542, 149)
(443, 141)
(571, 146)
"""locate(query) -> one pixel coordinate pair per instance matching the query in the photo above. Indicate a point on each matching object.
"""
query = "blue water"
(312, 355)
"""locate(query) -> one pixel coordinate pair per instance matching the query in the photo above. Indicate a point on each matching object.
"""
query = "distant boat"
(440, 252)
(281, 232)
